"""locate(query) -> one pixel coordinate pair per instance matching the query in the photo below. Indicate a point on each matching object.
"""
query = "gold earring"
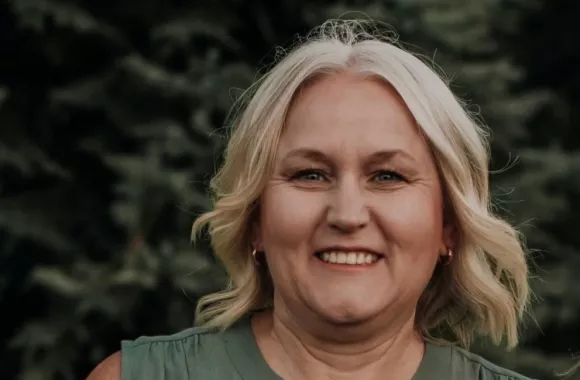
(254, 256)
(449, 257)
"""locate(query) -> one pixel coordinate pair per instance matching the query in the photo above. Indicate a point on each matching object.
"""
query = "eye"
(387, 176)
(311, 175)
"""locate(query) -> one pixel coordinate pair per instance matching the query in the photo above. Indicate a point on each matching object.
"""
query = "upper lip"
(350, 248)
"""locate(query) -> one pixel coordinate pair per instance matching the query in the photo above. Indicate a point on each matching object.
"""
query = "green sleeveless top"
(198, 354)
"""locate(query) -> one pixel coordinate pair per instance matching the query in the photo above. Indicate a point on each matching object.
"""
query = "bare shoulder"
(108, 369)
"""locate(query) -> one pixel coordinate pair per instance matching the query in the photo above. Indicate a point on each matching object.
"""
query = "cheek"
(288, 217)
(415, 222)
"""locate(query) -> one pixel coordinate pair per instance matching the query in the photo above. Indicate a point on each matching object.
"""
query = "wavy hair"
(483, 292)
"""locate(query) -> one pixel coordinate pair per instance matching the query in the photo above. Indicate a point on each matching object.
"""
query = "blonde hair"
(483, 292)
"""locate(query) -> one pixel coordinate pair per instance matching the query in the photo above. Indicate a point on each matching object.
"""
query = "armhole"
(126, 361)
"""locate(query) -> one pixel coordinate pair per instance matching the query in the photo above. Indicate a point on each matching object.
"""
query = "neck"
(300, 349)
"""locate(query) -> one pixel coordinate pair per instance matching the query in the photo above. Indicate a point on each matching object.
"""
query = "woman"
(352, 213)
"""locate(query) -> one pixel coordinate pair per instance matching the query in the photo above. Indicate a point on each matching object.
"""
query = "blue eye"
(309, 175)
(387, 175)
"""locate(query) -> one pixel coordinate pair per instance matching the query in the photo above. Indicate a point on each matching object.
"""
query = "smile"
(348, 258)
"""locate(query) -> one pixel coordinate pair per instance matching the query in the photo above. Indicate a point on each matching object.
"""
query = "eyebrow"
(375, 158)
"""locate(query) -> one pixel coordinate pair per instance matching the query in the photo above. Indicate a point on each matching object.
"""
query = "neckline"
(245, 353)
(436, 360)
(247, 358)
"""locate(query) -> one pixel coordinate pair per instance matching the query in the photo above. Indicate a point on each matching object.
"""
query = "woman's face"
(351, 221)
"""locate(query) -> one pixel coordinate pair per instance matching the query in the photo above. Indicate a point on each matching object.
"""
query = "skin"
(108, 369)
(333, 186)
(352, 170)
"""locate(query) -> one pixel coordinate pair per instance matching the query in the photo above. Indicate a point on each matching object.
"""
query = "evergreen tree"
(112, 122)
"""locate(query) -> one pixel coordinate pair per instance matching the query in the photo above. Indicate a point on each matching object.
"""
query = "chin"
(347, 313)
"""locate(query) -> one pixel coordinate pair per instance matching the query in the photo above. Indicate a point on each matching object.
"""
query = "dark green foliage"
(111, 124)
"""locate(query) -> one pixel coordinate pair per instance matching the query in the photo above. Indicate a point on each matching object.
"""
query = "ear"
(447, 239)
(449, 232)
(256, 234)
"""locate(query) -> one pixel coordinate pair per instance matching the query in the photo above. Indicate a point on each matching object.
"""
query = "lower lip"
(347, 267)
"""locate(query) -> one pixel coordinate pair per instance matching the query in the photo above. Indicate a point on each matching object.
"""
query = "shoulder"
(192, 334)
(191, 351)
(108, 369)
(147, 357)
(481, 368)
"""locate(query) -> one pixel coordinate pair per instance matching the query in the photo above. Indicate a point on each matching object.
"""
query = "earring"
(254, 257)
(449, 257)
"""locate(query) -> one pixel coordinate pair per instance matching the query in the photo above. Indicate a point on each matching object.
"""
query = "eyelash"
(299, 175)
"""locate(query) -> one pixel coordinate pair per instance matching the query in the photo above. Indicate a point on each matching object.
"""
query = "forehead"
(348, 111)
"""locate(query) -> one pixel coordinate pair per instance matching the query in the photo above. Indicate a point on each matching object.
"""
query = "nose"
(348, 209)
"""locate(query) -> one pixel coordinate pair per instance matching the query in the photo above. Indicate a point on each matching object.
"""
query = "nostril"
(348, 217)
(347, 224)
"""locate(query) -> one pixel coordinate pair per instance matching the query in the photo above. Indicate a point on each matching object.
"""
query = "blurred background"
(111, 115)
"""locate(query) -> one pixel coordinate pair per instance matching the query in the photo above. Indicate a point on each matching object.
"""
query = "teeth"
(350, 258)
